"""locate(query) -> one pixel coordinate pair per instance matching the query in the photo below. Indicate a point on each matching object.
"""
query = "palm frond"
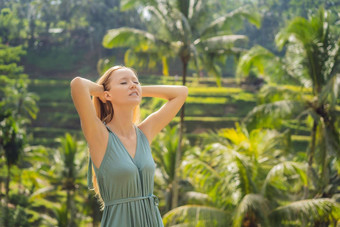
(195, 166)
(274, 93)
(224, 22)
(164, 150)
(201, 169)
(156, 11)
(243, 175)
(194, 215)
(140, 59)
(130, 4)
(295, 177)
(127, 4)
(220, 171)
(318, 51)
(331, 139)
(252, 204)
(330, 92)
(166, 20)
(234, 135)
(197, 198)
(308, 211)
(208, 60)
(299, 29)
(263, 146)
(271, 115)
(222, 42)
(196, 9)
(128, 37)
(266, 63)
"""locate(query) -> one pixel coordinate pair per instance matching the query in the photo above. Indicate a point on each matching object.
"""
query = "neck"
(121, 122)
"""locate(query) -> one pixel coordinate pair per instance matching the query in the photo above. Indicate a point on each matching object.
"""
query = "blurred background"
(257, 143)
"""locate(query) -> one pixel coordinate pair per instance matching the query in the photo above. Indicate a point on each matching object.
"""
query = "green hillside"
(207, 108)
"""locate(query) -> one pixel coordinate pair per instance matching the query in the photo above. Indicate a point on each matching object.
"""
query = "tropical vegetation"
(259, 144)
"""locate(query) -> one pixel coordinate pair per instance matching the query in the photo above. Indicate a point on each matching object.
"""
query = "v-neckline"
(121, 143)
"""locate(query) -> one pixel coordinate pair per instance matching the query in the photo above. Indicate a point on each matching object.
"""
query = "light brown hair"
(105, 113)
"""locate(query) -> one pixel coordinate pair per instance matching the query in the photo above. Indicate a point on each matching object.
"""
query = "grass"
(207, 100)
(213, 91)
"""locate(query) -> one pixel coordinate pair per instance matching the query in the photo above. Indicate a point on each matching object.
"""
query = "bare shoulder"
(144, 129)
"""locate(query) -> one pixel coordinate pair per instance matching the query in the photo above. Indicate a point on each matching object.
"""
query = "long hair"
(105, 113)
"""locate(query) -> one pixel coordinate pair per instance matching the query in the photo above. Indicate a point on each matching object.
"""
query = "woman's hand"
(99, 93)
(102, 97)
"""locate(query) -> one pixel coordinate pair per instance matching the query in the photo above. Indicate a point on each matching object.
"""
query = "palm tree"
(13, 140)
(312, 61)
(184, 29)
(249, 182)
(164, 152)
(18, 107)
(69, 171)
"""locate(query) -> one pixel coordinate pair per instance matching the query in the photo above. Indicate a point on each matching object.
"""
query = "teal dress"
(126, 184)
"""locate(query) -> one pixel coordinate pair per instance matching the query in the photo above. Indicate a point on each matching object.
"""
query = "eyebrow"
(127, 77)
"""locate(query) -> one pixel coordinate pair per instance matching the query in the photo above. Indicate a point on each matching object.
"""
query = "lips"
(135, 93)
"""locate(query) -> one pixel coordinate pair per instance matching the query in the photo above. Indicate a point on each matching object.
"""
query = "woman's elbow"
(184, 91)
(75, 80)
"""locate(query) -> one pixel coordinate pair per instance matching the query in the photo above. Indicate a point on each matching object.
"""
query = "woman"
(121, 168)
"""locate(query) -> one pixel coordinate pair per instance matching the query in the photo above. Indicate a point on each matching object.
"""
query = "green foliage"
(191, 215)
(73, 159)
(61, 215)
(10, 27)
(311, 61)
(17, 217)
(252, 205)
(260, 59)
(295, 177)
(179, 35)
(243, 176)
(306, 211)
(246, 174)
(57, 58)
(164, 149)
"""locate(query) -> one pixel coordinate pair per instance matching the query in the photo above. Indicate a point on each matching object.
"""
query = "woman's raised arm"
(93, 129)
(156, 121)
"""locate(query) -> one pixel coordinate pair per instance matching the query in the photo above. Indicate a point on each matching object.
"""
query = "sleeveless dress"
(126, 184)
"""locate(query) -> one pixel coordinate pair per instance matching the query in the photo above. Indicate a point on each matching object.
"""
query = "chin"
(135, 102)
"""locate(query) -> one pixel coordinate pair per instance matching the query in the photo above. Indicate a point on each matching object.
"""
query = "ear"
(107, 95)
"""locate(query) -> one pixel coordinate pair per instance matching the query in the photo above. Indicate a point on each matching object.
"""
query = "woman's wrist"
(164, 91)
(96, 90)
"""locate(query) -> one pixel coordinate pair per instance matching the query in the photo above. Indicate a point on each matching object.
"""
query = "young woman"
(121, 168)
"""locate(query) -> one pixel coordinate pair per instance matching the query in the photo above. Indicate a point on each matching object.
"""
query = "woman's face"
(124, 88)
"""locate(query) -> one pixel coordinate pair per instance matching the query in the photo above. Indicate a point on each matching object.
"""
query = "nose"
(132, 85)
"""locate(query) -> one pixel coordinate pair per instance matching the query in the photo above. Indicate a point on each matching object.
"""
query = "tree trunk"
(1, 180)
(32, 30)
(68, 199)
(310, 158)
(7, 196)
(175, 187)
(168, 198)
